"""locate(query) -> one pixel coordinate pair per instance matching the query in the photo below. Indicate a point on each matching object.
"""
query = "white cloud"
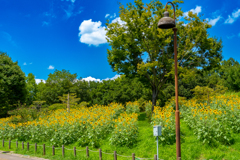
(50, 67)
(39, 80)
(24, 63)
(233, 18)
(98, 80)
(230, 37)
(107, 15)
(113, 16)
(44, 23)
(115, 77)
(91, 79)
(236, 14)
(118, 20)
(92, 33)
(213, 21)
(197, 10)
(239, 34)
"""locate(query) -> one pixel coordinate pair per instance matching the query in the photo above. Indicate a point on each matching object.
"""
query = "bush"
(148, 110)
(23, 114)
(132, 107)
(141, 103)
(56, 106)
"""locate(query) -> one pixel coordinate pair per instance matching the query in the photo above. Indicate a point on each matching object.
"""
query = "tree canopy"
(12, 84)
(140, 49)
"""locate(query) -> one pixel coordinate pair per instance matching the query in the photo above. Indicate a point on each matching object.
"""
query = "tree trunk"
(154, 97)
(68, 107)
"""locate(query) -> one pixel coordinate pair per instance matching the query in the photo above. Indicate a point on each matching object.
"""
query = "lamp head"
(166, 22)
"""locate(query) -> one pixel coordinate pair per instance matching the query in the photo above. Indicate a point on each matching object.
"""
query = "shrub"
(56, 106)
(148, 110)
(132, 107)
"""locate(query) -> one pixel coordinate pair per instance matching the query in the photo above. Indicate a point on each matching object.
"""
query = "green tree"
(69, 99)
(202, 93)
(139, 48)
(41, 89)
(31, 89)
(57, 84)
(230, 72)
(12, 84)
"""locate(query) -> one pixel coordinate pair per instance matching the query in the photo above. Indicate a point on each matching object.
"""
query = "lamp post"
(166, 23)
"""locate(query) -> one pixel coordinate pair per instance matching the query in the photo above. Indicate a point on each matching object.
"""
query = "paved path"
(13, 156)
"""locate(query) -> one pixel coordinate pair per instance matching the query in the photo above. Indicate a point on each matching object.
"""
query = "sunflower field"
(214, 122)
(85, 125)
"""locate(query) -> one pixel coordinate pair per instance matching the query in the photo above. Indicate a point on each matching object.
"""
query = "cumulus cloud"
(197, 10)
(92, 33)
(50, 67)
(233, 17)
(213, 21)
(24, 63)
(91, 79)
(40, 80)
(88, 79)
(107, 15)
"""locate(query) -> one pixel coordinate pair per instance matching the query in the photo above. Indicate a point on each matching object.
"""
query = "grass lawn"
(191, 148)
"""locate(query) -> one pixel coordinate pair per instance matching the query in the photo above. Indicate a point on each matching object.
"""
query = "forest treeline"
(18, 88)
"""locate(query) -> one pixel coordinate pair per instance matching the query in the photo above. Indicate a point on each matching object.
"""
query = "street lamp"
(166, 23)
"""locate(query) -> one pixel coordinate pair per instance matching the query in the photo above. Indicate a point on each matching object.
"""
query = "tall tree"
(12, 84)
(57, 84)
(230, 72)
(139, 48)
(31, 89)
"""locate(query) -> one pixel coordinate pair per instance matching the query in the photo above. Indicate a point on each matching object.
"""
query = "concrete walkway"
(12, 156)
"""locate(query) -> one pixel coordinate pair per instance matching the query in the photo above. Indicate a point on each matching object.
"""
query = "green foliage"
(133, 107)
(230, 72)
(69, 99)
(213, 123)
(12, 84)
(148, 110)
(38, 104)
(165, 117)
(23, 114)
(139, 49)
(57, 84)
(57, 106)
(125, 132)
(41, 88)
(202, 93)
(31, 89)
(141, 103)
(83, 104)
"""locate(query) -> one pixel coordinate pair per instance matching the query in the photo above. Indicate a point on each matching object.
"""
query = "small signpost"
(157, 131)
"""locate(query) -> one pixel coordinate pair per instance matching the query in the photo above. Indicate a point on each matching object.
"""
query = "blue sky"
(44, 35)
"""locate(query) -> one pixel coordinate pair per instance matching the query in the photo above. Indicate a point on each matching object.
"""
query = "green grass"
(191, 148)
